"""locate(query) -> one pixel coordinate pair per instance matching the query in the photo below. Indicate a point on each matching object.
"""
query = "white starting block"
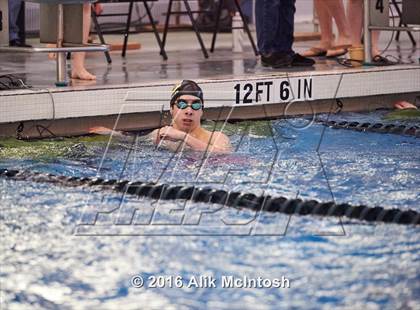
(67, 15)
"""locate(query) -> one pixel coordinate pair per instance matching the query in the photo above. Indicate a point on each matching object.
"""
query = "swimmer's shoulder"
(154, 136)
(220, 136)
(220, 140)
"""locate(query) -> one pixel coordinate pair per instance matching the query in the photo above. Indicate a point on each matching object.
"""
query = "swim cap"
(186, 87)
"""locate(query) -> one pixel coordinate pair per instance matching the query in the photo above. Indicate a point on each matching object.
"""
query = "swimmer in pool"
(186, 108)
(404, 110)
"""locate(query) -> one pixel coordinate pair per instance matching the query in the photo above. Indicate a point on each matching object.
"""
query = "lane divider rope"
(375, 127)
(225, 198)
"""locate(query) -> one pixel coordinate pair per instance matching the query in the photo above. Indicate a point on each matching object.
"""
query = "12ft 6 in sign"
(273, 91)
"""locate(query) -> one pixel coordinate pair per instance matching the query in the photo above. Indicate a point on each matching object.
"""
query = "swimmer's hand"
(99, 130)
(402, 105)
(219, 143)
(171, 134)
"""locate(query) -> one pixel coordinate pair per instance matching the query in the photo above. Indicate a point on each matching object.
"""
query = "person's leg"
(78, 65)
(355, 17)
(267, 19)
(14, 8)
(336, 11)
(52, 56)
(275, 22)
(284, 34)
(246, 6)
(325, 25)
(375, 42)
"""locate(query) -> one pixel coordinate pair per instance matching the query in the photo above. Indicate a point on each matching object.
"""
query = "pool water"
(78, 247)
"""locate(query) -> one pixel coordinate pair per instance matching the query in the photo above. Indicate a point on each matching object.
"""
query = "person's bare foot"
(314, 51)
(317, 50)
(340, 47)
(343, 42)
(375, 52)
(336, 52)
(82, 74)
(402, 105)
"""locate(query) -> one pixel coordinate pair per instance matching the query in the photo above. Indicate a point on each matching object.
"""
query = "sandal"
(336, 51)
(378, 60)
(314, 52)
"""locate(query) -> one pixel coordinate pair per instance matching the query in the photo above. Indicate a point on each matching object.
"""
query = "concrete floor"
(185, 60)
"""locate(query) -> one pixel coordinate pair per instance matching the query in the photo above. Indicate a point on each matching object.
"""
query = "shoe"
(17, 43)
(378, 60)
(300, 61)
(276, 60)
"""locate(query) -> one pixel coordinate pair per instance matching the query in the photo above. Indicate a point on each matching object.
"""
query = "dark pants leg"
(14, 8)
(286, 27)
(274, 23)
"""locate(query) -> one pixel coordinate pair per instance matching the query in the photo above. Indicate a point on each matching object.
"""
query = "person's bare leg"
(355, 17)
(336, 11)
(375, 42)
(325, 25)
(78, 65)
(52, 55)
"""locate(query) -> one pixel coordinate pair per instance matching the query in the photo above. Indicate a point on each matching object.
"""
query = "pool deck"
(132, 92)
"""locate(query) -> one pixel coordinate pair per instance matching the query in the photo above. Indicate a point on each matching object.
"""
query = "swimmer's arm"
(99, 130)
(158, 138)
(219, 143)
(155, 136)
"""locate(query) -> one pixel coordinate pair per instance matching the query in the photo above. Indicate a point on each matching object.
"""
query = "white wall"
(304, 10)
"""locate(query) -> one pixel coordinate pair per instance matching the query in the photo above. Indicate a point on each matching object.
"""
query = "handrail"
(65, 48)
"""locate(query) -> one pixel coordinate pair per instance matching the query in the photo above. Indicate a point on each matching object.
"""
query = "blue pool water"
(80, 247)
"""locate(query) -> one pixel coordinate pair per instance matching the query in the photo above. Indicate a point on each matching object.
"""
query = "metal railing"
(368, 28)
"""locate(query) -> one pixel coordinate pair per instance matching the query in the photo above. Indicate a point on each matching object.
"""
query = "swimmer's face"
(184, 116)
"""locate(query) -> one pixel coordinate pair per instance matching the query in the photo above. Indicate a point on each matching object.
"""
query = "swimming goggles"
(195, 105)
